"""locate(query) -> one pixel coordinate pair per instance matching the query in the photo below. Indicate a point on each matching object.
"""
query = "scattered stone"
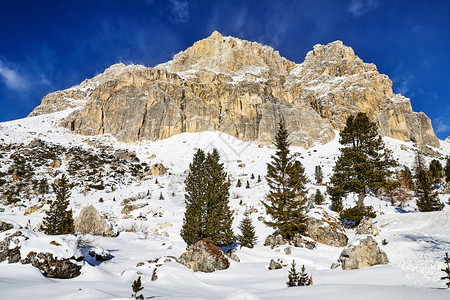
(232, 254)
(326, 230)
(362, 254)
(158, 169)
(366, 226)
(33, 209)
(99, 254)
(164, 225)
(204, 256)
(261, 218)
(288, 250)
(56, 164)
(55, 243)
(275, 265)
(403, 147)
(241, 165)
(140, 264)
(5, 226)
(89, 221)
(274, 240)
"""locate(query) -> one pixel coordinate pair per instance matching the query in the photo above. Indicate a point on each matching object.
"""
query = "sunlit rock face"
(241, 88)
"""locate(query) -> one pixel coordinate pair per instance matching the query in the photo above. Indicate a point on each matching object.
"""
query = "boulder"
(232, 255)
(89, 221)
(362, 253)
(274, 240)
(5, 226)
(158, 169)
(99, 254)
(274, 265)
(62, 268)
(56, 164)
(366, 226)
(326, 230)
(204, 256)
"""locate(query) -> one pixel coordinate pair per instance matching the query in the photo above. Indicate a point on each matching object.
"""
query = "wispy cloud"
(441, 126)
(180, 11)
(360, 7)
(402, 83)
(11, 78)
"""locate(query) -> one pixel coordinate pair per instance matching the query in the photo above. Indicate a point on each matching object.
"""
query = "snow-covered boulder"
(366, 226)
(55, 256)
(325, 229)
(158, 169)
(204, 256)
(362, 253)
(89, 221)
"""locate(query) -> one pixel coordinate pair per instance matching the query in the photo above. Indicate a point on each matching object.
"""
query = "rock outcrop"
(366, 226)
(362, 254)
(89, 221)
(241, 88)
(326, 229)
(204, 257)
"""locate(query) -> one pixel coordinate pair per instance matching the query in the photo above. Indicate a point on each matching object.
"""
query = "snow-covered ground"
(416, 241)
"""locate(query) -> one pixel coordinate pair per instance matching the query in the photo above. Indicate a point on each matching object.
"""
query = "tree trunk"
(361, 197)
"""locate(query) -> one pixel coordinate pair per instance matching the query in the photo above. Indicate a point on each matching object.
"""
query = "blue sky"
(52, 45)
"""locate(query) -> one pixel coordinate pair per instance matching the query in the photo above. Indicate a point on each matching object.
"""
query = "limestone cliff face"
(241, 88)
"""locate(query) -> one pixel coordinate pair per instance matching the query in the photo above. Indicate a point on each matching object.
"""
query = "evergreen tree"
(364, 161)
(238, 184)
(248, 236)
(156, 181)
(446, 270)
(247, 186)
(208, 215)
(436, 170)
(294, 276)
(447, 170)
(259, 179)
(161, 197)
(427, 197)
(304, 278)
(318, 174)
(58, 219)
(286, 201)
(318, 198)
(252, 176)
(137, 287)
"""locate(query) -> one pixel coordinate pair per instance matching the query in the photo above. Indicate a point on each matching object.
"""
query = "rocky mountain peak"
(231, 56)
(242, 88)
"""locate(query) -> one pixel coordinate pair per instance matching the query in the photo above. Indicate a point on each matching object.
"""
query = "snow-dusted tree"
(364, 162)
(248, 236)
(208, 215)
(286, 201)
(58, 219)
(427, 196)
(318, 198)
(318, 174)
(294, 276)
(137, 287)
(305, 279)
(446, 270)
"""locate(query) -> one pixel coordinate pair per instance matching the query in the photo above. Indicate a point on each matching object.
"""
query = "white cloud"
(441, 126)
(12, 79)
(360, 7)
(402, 83)
(180, 11)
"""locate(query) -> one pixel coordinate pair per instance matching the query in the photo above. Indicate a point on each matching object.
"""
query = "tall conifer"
(286, 201)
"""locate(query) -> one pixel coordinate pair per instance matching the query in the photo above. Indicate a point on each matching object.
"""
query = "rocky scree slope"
(241, 88)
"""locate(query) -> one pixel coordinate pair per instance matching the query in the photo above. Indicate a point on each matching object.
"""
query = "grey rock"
(89, 221)
(158, 169)
(204, 257)
(5, 226)
(366, 226)
(363, 255)
(232, 255)
(274, 240)
(51, 267)
(326, 230)
(288, 250)
(274, 265)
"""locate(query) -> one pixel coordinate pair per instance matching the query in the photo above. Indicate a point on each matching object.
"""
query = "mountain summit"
(242, 88)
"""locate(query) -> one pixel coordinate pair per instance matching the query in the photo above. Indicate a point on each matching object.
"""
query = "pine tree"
(286, 201)
(156, 181)
(252, 176)
(318, 198)
(238, 184)
(364, 161)
(259, 179)
(137, 287)
(436, 170)
(247, 186)
(304, 278)
(318, 174)
(446, 270)
(447, 170)
(248, 236)
(161, 197)
(294, 276)
(427, 197)
(58, 219)
(208, 215)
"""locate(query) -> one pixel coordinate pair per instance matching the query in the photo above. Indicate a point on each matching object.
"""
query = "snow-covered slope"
(416, 241)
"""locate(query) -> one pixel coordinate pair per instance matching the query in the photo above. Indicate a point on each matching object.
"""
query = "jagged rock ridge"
(241, 88)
